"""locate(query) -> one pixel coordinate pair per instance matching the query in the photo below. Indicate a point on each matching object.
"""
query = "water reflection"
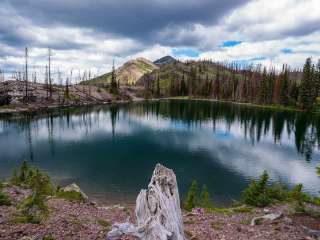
(111, 150)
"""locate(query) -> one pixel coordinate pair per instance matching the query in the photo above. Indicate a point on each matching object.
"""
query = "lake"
(111, 151)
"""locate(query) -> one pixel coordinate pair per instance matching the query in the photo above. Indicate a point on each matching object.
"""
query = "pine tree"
(34, 207)
(114, 85)
(294, 93)
(307, 89)
(284, 87)
(23, 174)
(183, 86)
(204, 200)
(191, 199)
(317, 79)
(257, 194)
(216, 90)
(263, 93)
(158, 86)
(271, 86)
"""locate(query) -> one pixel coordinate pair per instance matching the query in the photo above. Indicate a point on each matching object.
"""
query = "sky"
(89, 34)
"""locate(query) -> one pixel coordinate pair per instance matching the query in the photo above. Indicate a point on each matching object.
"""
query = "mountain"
(128, 74)
(165, 60)
(177, 78)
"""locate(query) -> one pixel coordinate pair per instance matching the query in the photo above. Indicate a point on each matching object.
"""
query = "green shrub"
(258, 194)
(70, 195)
(48, 237)
(23, 219)
(4, 198)
(191, 199)
(279, 192)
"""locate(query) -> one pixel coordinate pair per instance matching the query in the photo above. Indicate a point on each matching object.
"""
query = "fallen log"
(158, 211)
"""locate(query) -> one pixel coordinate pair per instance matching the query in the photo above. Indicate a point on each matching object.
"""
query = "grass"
(217, 225)
(48, 237)
(104, 223)
(228, 211)
(189, 221)
(24, 219)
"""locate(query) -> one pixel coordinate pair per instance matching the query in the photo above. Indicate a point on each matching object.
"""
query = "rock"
(266, 210)
(314, 234)
(1, 220)
(76, 188)
(157, 210)
(271, 217)
(26, 238)
(288, 220)
(117, 206)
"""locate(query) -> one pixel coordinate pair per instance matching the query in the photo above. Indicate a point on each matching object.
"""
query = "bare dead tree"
(49, 73)
(26, 74)
(46, 83)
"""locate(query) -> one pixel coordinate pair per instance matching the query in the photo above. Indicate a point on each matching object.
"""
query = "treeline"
(238, 83)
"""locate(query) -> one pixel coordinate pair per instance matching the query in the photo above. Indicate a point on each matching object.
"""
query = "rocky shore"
(70, 219)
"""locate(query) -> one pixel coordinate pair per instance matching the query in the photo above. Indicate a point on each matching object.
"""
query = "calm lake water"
(111, 151)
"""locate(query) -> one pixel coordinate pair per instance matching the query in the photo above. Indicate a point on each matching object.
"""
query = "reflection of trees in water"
(114, 116)
(255, 122)
(27, 124)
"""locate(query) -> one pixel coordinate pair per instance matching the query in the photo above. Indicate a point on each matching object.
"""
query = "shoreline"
(32, 108)
(270, 107)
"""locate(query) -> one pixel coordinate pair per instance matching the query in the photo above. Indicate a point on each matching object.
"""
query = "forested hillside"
(234, 82)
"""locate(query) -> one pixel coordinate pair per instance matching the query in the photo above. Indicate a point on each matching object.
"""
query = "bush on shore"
(34, 208)
(261, 193)
(4, 198)
(69, 195)
(193, 198)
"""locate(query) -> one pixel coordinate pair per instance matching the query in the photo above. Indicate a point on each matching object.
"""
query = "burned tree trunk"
(158, 210)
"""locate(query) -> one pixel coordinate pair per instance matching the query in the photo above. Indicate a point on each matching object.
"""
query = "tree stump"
(157, 210)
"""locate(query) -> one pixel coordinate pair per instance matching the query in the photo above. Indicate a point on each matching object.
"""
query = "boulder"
(158, 211)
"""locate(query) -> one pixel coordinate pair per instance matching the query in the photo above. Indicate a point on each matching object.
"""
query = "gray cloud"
(139, 19)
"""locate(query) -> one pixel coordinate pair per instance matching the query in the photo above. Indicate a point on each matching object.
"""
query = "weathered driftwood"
(157, 210)
(271, 217)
